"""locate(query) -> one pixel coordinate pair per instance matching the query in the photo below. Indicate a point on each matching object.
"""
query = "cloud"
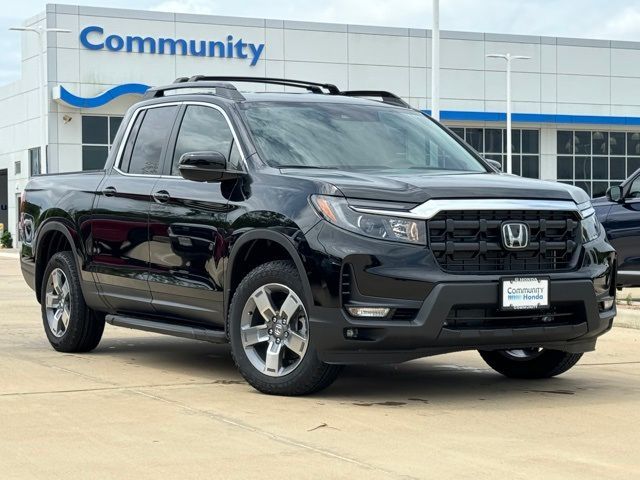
(412, 13)
(625, 24)
(201, 7)
(10, 46)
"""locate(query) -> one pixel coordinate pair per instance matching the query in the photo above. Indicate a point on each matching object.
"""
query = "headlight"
(590, 228)
(337, 211)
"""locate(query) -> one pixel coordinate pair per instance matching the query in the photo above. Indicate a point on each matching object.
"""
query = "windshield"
(347, 136)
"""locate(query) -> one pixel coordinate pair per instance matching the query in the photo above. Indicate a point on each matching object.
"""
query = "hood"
(601, 201)
(419, 187)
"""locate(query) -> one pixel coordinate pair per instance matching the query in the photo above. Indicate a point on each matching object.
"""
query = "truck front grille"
(471, 241)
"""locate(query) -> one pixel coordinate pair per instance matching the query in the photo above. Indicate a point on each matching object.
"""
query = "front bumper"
(406, 277)
(431, 331)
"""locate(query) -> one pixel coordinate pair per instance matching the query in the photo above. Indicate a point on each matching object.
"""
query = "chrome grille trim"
(431, 208)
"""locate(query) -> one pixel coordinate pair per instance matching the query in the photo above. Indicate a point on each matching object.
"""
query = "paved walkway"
(145, 406)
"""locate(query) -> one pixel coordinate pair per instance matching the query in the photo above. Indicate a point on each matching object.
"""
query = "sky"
(607, 19)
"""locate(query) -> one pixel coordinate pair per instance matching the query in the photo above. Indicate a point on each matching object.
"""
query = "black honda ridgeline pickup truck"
(312, 230)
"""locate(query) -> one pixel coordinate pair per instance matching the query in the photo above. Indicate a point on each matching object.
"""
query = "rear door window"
(147, 141)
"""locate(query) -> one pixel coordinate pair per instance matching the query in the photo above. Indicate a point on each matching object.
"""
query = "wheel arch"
(52, 237)
(254, 248)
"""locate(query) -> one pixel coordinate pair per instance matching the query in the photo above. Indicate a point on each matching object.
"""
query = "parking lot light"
(42, 88)
(508, 58)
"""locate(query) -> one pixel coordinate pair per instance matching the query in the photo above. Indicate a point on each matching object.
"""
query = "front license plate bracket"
(524, 293)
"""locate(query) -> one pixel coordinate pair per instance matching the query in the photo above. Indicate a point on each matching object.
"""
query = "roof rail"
(221, 89)
(386, 97)
(310, 86)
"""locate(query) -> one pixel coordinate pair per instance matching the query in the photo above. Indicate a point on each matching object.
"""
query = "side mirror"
(494, 164)
(205, 167)
(615, 193)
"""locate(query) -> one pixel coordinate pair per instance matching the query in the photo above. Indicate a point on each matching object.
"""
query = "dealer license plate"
(525, 293)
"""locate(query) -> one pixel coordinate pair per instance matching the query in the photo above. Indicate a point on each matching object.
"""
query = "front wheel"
(530, 362)
(271, 339)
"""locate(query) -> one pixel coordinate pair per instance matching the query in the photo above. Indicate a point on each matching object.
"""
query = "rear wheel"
(271, 341)
(530, 362)
(69, 324)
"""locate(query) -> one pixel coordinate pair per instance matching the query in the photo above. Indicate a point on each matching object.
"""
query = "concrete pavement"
(147, 406)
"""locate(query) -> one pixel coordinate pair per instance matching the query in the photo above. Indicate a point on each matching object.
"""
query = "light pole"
(42, 89)
(435, 61)
(508, 57)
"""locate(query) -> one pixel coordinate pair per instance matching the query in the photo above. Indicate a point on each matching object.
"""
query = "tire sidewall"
(286, 274)
(65, 262)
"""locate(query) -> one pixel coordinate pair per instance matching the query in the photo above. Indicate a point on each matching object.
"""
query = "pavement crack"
(116, 388)
(82, 375)
(273, 436)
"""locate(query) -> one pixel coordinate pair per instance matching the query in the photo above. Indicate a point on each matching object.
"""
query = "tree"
(6, 241)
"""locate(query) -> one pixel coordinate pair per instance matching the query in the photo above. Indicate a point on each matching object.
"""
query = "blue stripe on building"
(455, 115)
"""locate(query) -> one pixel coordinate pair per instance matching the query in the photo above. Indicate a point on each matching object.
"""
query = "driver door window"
(203, 129)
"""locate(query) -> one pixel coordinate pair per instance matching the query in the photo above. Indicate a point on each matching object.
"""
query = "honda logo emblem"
(515, 235)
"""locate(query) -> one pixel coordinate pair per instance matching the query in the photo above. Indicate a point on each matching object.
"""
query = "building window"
(98, 133)
(491, 143)
(595, 160)
(17, 167)
(34, 161)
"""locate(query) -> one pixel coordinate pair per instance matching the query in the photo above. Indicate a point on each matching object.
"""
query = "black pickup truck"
(312, 230)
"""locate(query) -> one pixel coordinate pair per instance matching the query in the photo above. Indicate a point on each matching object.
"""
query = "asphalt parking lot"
(147, 406)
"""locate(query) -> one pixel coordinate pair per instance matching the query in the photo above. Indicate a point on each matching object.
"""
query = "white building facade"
(575, 102)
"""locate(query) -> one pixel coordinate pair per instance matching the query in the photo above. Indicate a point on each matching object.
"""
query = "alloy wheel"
(58, 302)
(274, 330)
(522, 354)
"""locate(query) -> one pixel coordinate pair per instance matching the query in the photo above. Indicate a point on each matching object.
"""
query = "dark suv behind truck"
(312, 230)
(619, 213)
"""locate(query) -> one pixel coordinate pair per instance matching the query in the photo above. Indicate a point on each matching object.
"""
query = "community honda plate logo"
(523, 293)
(93, 37)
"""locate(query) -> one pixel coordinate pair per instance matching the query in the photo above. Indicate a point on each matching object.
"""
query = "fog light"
(351, 332)
(607, 304)
(372, 312)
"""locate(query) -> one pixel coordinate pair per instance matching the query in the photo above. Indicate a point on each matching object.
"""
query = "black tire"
(311, 375)
(546, 364)
(85, 327)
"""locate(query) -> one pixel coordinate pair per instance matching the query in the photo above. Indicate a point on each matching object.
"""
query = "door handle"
(109, 191)
(161, 196)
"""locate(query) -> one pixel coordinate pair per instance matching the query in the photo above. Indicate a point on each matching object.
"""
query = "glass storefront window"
(98, 133)
(596, 160)
(491, 143)
(633, 164)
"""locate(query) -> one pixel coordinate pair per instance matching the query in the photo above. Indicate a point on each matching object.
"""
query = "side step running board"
(185, 331)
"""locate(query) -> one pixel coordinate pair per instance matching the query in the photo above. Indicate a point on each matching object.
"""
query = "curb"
(627, 318)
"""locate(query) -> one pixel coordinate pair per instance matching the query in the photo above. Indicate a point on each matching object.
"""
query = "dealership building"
(576, 102)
